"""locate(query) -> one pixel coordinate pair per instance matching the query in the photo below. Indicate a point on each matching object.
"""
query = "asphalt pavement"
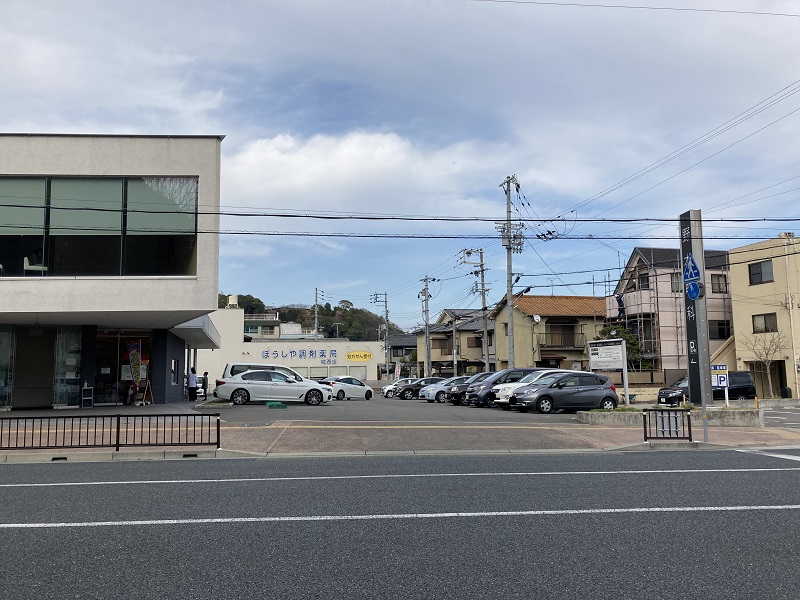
(393, 426)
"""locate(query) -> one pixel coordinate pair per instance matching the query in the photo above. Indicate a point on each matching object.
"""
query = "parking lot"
(391, 410)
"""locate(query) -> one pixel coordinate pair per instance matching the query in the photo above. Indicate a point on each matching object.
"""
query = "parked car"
(235, 368)
(388, 390)
(348, 387)
(255, 386)
(480, 393)
(568, 391)
(411, 390)
(437, 392)
(740, 387)
(503, 391)
(457, 394)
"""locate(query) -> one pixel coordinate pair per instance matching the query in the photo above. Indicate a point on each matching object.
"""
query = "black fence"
(667, 424)
(112, 431)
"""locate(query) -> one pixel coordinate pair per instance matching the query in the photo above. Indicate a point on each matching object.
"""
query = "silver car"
(568, 391)
(437, 392)
(254, 386)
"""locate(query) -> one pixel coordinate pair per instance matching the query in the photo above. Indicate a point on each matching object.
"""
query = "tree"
(632, 347)
(765, 348)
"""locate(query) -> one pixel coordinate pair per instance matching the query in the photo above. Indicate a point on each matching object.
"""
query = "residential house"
(649, 301)
(549, 331)
(109, 261)
(765, 287)
(457, 343)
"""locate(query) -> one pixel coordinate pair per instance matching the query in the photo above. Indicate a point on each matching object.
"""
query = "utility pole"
(481, 270)
(512, 240)
(425, 296)
(376, 297)
(337, 329)
(316, 310)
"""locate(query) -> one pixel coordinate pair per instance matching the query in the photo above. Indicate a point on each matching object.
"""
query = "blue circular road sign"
(692, 290)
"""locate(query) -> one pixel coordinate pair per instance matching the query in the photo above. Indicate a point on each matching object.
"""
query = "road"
(714, 524)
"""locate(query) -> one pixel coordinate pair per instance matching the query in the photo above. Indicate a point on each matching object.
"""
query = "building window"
(398, 352)
(719, 283)
(643, 281)
(760, 272)
(473, 342)
(767, 323)
(89, 226)
(676, 283)
(719, 330)
(250, 328)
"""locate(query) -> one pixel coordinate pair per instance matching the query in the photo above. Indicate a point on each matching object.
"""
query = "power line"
(631, 7)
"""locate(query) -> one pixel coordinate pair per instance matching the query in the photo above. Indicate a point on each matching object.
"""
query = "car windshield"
(477, 377)
(681, 383)
(531, 377)
(547, 379)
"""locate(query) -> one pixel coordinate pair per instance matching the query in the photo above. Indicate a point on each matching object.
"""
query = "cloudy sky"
(614, 121)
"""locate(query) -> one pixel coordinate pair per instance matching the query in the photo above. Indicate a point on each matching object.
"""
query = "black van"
(740, 387)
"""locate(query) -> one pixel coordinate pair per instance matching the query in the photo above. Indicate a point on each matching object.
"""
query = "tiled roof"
(561, 306)
(670, 258)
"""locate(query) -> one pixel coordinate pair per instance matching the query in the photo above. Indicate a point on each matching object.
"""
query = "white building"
(107, 243)
(309, 356)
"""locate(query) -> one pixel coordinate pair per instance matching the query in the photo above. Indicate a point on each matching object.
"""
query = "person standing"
(204, 384)
(191, 385)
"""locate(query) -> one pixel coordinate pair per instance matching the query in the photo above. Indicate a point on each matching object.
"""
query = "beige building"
(649, 301)
(765, 286)
(549, 331)
(457, 343)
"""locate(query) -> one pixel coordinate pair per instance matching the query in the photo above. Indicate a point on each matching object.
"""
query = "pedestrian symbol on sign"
(690, 270)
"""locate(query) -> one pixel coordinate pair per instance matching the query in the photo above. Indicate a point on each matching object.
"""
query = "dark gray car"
(572, 391)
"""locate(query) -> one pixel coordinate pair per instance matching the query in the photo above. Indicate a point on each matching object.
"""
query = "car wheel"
(240, 396)
(340, 395)
(491, 403)
(407, 394)
(545, 405)
(368, 395)
(462, 398)
(314, 397)
(389, 393)
(608, 404)
(741, 397)
(440, 397)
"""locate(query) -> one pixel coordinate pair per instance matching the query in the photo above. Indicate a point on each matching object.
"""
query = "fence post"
(218, 430)
(117, 446)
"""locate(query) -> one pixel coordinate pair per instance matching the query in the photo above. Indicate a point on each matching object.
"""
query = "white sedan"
(261, 386)
(348, 387)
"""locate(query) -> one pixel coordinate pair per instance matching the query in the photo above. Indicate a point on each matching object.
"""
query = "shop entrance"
(123, 358)
(34, 367)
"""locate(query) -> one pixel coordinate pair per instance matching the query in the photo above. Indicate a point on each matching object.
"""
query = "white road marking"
(774, 455)
(449, 515)
(401, 476)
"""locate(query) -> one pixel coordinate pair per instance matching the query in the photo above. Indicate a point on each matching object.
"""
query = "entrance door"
(33, 367)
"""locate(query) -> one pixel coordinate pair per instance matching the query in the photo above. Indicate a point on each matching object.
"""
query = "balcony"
(561, 340)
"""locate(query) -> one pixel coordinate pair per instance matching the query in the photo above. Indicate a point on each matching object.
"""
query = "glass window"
(766, 323)
(719, 330)
(760, 272)
(68, 367)
(22, 219)
(643, 281)
(719, 283)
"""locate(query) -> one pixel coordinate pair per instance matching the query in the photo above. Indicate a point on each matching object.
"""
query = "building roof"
(401, 340)
(560, 306)
(670, 258)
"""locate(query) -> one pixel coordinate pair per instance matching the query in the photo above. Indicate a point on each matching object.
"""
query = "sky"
(366, 141)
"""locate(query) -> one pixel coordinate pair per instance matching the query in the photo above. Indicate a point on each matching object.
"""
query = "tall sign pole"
(695, 314)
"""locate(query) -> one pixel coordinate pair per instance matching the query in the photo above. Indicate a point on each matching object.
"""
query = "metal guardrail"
(667, 424)
(111, 431)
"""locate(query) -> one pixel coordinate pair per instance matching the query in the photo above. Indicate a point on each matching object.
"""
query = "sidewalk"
(295, 437)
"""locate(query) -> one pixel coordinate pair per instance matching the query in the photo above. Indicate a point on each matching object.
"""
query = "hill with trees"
(345, 319)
